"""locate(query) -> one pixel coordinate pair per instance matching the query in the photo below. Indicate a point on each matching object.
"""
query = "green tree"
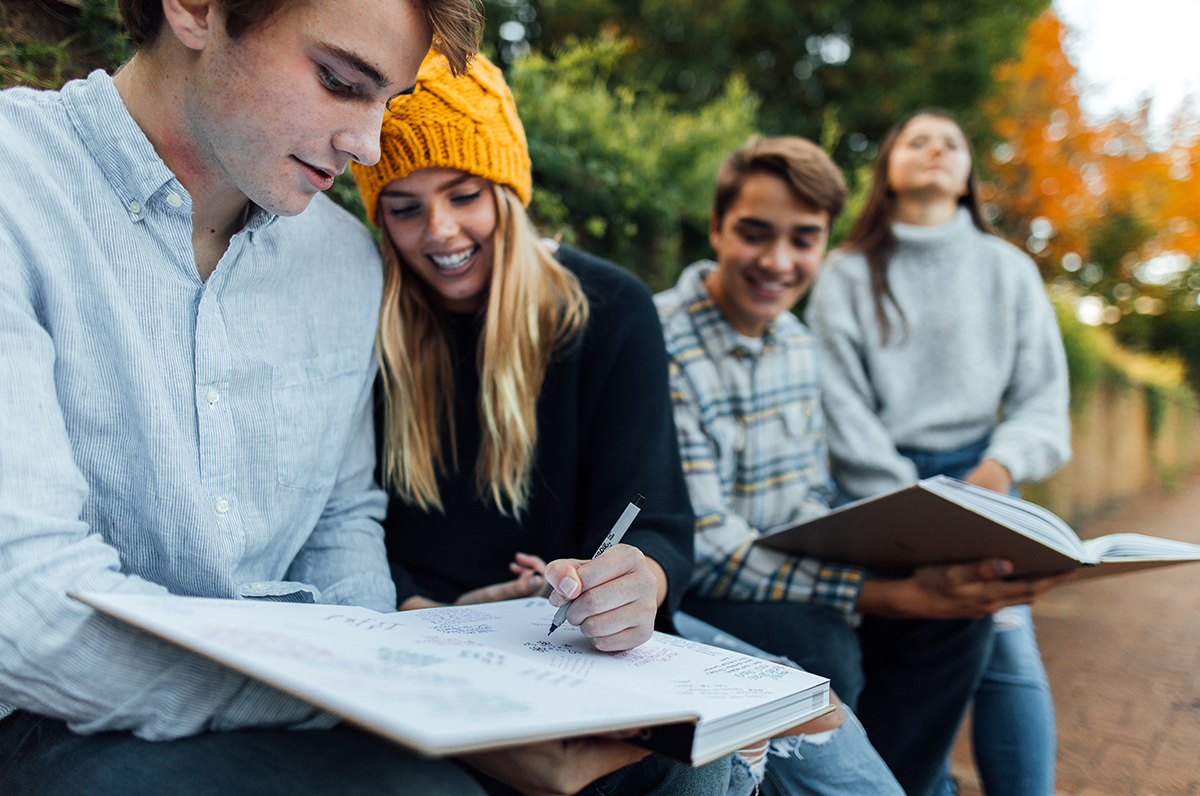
(619, 170)
(872, 60)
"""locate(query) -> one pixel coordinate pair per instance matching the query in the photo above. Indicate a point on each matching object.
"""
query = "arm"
(865, 458)
(1034, 435)
(344, 556)
(58, 657)
(627, 447)
(728, 564)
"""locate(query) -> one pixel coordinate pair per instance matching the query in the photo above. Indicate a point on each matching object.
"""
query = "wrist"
(417, 601)
(886, 597)
(661, 581)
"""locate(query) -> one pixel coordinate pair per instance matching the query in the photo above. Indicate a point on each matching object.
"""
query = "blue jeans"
(1013, 728)
(841, 762)
(40, 756)
(908, 681)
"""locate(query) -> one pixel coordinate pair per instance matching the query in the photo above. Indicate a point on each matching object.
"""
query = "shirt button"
(174, 199)
(212, 396)
(222, 506)
(257, 586)
(135, 206)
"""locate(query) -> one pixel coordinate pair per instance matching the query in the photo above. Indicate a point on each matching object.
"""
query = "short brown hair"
(456, 24)
(800, 163)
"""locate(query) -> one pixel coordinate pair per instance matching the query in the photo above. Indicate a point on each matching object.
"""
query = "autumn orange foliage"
(1055, 164)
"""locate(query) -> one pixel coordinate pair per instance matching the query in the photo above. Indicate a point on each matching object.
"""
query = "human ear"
(714, 229)
(190, 20)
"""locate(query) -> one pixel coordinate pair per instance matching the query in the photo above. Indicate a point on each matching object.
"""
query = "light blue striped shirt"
(159, 433)
(752, 440)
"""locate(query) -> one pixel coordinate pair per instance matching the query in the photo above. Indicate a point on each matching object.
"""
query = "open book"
(465, 678)
(943, 520)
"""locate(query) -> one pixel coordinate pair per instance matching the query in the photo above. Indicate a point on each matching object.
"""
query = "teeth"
(772, 286)
(452, 261)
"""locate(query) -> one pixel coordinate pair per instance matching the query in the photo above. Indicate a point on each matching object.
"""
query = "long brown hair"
(534, 306)
(872, 232)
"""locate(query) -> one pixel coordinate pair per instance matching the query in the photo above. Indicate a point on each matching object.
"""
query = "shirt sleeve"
(728, 565)
(865, 459)
(58, 657)
(1033, 438)
(345, 555)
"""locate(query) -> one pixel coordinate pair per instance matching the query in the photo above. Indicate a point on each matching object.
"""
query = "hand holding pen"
(612, 598)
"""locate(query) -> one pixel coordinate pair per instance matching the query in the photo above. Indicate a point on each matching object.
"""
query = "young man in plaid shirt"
(906, 653)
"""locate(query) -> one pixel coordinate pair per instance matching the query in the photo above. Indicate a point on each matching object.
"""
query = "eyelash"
(334, 83)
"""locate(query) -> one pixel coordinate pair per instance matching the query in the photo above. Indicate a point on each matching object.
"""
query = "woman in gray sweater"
(941, 354)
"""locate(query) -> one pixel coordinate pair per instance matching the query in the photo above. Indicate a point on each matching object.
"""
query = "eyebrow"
(447, 185)
(803, 229)
(358, 64)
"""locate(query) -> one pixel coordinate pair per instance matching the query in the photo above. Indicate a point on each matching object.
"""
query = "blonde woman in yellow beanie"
(526, 400)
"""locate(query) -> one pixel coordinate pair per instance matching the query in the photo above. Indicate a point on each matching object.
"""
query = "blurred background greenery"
(629, 106)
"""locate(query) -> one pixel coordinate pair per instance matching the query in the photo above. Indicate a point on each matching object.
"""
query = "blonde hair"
(534, 307)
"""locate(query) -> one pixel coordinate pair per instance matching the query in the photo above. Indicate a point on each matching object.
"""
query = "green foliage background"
(630, 105)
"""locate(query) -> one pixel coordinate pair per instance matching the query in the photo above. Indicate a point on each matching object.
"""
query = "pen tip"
(553, 627)
(638, 501)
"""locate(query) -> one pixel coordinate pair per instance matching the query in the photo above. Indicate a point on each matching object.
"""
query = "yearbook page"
(464, 678)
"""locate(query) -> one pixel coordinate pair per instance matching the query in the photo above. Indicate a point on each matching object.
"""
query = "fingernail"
(569, 587)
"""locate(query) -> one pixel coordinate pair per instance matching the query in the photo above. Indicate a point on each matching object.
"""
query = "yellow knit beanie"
(467, 123)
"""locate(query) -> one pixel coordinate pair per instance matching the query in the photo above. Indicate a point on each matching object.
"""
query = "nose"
(777, 258)
(358, 136)
(442, 225)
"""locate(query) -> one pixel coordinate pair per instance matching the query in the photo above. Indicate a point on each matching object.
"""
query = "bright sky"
(1125, 49)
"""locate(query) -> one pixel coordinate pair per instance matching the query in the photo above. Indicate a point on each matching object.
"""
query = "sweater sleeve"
(630, 433)
(1033, 438)
(865, 459)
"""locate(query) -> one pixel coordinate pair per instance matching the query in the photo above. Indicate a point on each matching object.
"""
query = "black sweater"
(605, 433)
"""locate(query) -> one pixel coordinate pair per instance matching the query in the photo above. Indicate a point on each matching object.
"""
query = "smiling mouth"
(769, 286)
(453, 262)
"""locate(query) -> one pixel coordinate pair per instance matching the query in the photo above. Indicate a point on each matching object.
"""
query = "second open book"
(942, 520)
(465, 678)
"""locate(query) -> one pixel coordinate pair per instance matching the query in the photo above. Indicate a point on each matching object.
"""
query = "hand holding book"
(941, 521)
(953, 591)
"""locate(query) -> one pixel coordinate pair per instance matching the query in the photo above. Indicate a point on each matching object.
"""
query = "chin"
(289, 205)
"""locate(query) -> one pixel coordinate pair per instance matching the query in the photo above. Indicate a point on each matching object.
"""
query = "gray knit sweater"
(982, 352)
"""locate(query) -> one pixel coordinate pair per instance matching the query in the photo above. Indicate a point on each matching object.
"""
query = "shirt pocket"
(801, 419)
(729, 438)
(314, 401)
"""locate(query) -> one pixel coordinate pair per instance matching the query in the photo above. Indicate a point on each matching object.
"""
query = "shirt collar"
(716, 332)
(124, 153)
(118, 145)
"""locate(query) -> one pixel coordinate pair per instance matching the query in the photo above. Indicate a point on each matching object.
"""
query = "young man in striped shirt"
(905, 654)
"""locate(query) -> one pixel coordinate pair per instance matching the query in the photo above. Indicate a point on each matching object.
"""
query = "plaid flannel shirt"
(752, 440)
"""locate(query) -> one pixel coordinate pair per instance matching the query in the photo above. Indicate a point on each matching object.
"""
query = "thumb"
(563, 575)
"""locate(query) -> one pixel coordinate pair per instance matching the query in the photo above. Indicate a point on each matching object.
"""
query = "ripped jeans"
(838, 762)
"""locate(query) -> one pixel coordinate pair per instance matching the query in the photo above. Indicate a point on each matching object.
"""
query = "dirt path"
(1123, 655)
